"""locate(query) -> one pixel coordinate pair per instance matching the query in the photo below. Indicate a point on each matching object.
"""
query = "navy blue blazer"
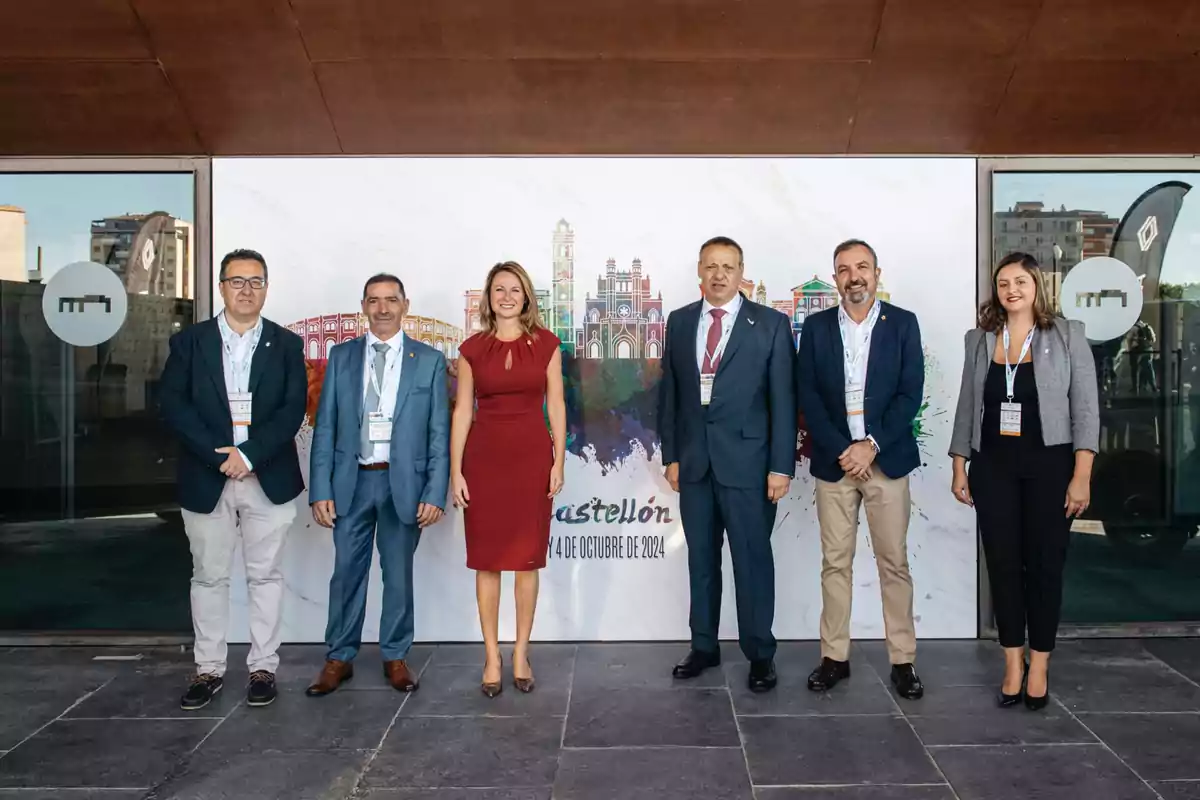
(195, 405)
(895, 387)
(749, 427)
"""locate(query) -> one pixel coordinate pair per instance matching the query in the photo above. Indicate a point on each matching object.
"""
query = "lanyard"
(1010, 371)
(714, 356)
(387, 370)
(239, 366)
(853, 360)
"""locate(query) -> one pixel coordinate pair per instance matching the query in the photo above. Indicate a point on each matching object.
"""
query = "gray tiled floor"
(606, 721)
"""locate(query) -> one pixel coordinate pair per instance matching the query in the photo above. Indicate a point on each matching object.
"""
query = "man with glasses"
(233, 391)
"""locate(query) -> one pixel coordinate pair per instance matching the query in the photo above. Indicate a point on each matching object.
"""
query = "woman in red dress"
(504, 466)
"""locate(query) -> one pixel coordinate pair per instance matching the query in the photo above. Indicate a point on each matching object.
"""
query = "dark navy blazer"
(749, 427)
(893, 392)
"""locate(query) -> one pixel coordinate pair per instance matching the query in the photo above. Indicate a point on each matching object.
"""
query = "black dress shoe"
(1009, 700)
(262, 690)
(1038, 703)
(762, 675)
(694, 663)
(908, 685)
(827, 675)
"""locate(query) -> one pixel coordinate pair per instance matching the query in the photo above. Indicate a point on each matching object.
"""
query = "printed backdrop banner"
(611, 245)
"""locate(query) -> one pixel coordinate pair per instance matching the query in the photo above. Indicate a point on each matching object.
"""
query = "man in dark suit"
(233, 391)
(860, 379)
(380, 468)
(727, 420)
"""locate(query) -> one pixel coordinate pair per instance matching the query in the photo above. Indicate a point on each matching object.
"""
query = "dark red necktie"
(715, 329)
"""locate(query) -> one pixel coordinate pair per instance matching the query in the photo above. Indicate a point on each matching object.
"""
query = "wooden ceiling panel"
(221, 32)
(591, 107)
(254, 108)
(97, 108)
(1081, 107)
(71, 29)
(666, 29)
(942, 29)
(1113, 30)
(911, 107)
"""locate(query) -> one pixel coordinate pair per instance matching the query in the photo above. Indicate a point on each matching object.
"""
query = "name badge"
(854, 402)
(1010, 419)
(379, 427)
(706, 387)
(240, 407)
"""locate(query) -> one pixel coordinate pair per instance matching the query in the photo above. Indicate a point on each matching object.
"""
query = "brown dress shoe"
(333, 675)
(398, 676)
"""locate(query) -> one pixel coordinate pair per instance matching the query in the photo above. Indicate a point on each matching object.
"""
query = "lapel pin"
(749, 320)
(268, 344)
(883, 316)
(410, 355)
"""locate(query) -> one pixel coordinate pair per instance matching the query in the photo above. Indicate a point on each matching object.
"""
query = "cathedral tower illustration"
(562, 303)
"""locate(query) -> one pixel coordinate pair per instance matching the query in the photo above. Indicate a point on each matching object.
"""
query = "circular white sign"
(1104, 294)
(85, 303)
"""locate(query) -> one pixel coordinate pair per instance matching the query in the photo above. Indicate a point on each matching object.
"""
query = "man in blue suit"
(727, 420)
(860, 379)
(379, 472)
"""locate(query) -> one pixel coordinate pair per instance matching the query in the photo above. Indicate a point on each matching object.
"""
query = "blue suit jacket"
(749, 428)
(895, 386)
(195, 404)
(419, 457)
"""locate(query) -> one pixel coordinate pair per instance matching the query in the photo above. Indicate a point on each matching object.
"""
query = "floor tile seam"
(562, 732)
(929, 755)
(848, 785)
(485, 716)
(140, 719)
(373, 754)
(183, 760)
(1022, 745)
(741, 739)
(817, 715)
(1138, 713)
(1105, 745)
(1169, 667)
(79, 701)
(585, 748)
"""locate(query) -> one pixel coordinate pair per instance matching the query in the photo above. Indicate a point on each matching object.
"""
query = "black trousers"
(708, 511)
(1019, 498)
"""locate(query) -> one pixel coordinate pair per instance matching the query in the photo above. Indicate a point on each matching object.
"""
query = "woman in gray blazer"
(1028, 421)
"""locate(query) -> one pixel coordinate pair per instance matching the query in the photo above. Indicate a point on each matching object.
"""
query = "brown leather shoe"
(333, 675)
(398, 676)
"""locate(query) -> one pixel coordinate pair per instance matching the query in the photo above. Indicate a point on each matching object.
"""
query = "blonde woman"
(505, 467)
(1028, 420)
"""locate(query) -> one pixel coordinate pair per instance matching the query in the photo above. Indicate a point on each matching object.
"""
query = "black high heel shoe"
(1038, 703)
(1009, 700)
(491, 690)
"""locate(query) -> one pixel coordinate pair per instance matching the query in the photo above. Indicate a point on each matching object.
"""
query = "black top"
(1025, 393)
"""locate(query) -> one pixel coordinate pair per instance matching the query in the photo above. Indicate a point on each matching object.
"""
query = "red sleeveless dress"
(509, 453)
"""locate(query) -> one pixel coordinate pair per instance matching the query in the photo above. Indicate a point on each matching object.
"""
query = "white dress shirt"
(732, 307)
(237, 352)
(388, 387)
(855, 337)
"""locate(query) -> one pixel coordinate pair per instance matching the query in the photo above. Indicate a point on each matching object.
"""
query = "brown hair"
(992, 315)
(531, 318)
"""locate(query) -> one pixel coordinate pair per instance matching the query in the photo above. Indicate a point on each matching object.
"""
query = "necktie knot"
(380, 347)
(718, 314)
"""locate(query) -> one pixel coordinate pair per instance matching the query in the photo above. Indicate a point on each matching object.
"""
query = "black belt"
(374, 467)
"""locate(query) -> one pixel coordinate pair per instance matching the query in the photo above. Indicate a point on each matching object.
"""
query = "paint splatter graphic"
(612, 408)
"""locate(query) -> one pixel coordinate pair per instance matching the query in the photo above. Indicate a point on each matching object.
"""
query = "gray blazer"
(1066, 386)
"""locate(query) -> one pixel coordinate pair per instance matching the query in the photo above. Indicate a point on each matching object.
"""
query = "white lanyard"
(239, 367)
(387, 371)
(1010, 370)
(853, 360)
(716, 353)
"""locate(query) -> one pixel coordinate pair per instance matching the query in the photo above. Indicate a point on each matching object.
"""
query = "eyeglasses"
(237, 284)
